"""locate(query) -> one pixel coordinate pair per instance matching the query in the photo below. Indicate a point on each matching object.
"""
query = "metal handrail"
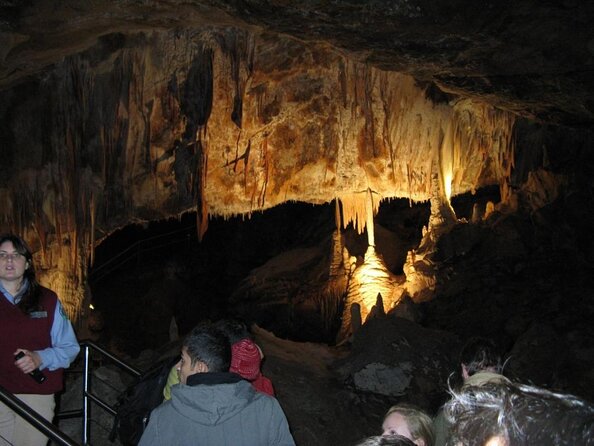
(87, 345)
(133, 250)
(36, 420)
(47, 428)
(97, 274)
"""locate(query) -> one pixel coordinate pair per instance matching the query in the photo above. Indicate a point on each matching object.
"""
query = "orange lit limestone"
(372, 276)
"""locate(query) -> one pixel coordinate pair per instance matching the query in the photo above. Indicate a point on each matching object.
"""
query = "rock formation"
(125, 112)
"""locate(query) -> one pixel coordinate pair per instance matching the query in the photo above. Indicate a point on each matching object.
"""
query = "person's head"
(409, 422)
(205, 349)
(16, 264)
(234, 329)
(507, 414)
(16, 260)
(478, 355)
(386, 440)
(245, 359)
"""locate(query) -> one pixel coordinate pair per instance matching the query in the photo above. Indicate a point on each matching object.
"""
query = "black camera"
(36, 374)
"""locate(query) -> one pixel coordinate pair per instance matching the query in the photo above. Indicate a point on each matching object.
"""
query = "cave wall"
(146, 125)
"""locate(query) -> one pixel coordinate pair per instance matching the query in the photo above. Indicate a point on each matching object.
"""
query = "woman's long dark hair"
(30, 300)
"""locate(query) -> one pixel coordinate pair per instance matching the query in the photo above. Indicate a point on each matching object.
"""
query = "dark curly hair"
(480, 354)
(208, 344)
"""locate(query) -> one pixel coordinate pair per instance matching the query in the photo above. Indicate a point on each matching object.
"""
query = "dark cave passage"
(146, 275)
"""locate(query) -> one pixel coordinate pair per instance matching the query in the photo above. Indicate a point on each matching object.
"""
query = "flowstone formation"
(148, 125)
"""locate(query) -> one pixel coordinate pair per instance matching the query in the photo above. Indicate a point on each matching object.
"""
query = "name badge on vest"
(38, 314)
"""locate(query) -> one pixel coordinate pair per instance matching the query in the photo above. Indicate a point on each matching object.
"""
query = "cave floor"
(320, 409)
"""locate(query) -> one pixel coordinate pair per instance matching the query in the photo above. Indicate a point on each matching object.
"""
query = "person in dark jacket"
(212, 406)
(246, 358)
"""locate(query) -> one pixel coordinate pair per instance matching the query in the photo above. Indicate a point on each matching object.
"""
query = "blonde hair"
(419, 423)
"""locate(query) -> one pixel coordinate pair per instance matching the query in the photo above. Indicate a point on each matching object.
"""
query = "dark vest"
(30, 332)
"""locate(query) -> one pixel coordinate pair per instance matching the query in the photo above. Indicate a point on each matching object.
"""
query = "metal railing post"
(86, 385)
(46, 427)
(88, 396)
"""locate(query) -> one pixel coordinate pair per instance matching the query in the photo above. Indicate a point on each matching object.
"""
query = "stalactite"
(239, 47)
(408, 179)
(354, 209)
(342, 81)
(386, 93)
(370, 211)
(475, 130)
(202, 205)
(337, 266)
(368, 112)
(157, 129)
(266, 170)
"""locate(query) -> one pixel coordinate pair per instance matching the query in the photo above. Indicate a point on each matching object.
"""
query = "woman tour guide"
(37, 342)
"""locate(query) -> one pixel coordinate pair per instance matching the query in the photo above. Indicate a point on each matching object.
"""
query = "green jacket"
(172, 380)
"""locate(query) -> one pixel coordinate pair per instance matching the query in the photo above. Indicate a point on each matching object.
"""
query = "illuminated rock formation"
(127, 113)
(370, 283)
(225, 122)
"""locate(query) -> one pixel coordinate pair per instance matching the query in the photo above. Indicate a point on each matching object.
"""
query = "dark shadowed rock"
(397, 358)
(539, 357)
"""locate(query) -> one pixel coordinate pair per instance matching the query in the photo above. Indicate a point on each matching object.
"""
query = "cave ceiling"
(124, 111)
(533, 57)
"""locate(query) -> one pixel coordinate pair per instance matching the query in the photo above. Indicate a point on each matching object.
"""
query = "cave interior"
(369, 183)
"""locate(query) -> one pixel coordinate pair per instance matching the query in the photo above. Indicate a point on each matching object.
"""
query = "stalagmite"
(419, 269)
(370, 279)
(370, 211)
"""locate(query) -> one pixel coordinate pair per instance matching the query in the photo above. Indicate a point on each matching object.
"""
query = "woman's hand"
(29, 362)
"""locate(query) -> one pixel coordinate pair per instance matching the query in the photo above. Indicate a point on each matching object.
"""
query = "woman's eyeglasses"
(15, 256)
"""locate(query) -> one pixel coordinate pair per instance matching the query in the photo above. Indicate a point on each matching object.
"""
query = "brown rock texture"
(152, 124)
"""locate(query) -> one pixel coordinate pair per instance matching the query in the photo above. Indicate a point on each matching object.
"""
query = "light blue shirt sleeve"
(64, 343)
